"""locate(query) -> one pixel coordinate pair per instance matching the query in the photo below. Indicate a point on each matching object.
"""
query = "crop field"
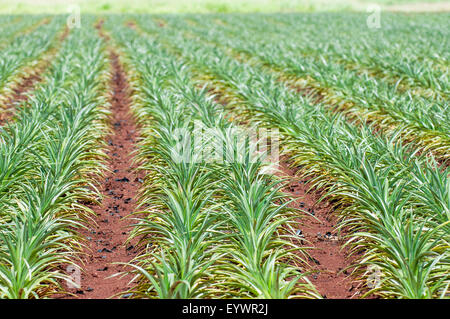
(222, 156)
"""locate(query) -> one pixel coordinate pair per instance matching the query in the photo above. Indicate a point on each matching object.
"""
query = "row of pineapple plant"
(394, 200)
(47, 159)
(212, 227)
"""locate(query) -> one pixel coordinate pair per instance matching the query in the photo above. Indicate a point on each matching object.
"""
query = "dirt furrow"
(318, 230)
(106, 241)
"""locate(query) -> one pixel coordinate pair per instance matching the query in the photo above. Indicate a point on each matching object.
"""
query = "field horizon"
(216, 6)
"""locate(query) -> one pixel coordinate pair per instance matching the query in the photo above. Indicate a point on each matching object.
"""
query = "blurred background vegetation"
(214, 6)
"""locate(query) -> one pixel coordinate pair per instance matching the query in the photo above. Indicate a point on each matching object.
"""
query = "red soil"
(106, 240)
(327, 256)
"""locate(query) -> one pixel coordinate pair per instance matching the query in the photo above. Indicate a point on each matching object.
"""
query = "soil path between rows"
(106, 241)
(328, 258)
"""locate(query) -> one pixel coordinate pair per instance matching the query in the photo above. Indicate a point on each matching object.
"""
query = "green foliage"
(362, 113)
(45, 157)
(379, 180)
(212, 228)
